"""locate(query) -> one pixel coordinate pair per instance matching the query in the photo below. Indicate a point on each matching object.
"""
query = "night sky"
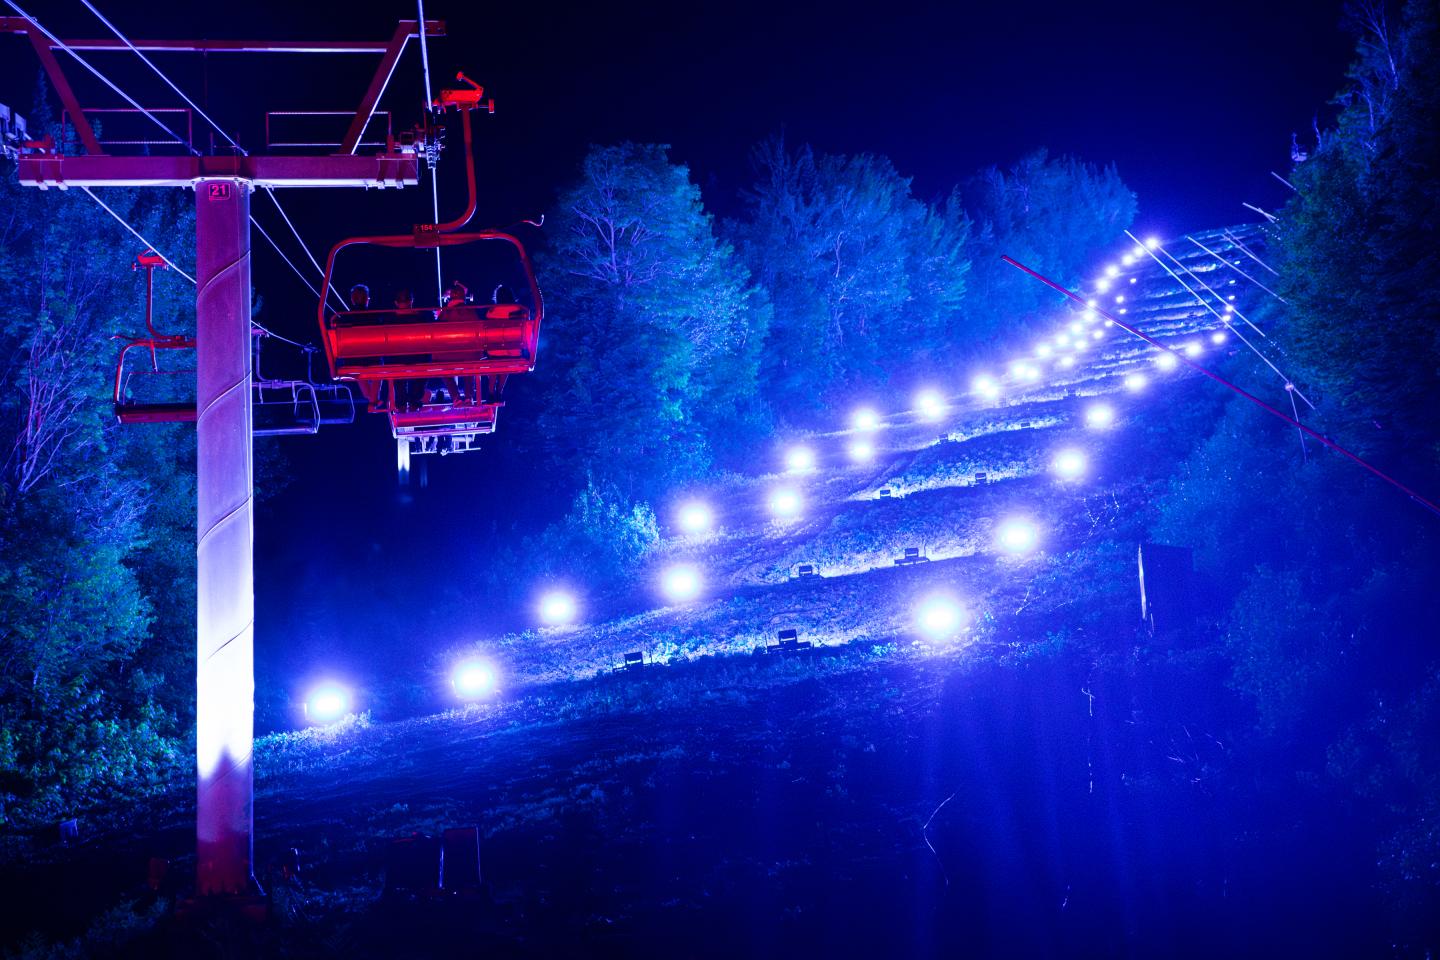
(1194, 104)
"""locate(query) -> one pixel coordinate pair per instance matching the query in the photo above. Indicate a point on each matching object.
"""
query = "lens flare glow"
(1042, 350)
(1127, 259)
(1099, 415)
(473, 679)
(930, 404)
(1219, 336)
(1167, 361)
(1076, 326)
(1069, 464)
(862, 451)
(327, 703)
(1136, 382)
(1193, 349)
(680, 582)
(696, 517)
(1112, 271)
(557, 607)
(940, 616)
(1097, 334)
(1066, 362)
(985, 386)
(1017, 535)
(865, 419)
(785, 503)
(1152, 242)
(1102, 284)
(800, 460)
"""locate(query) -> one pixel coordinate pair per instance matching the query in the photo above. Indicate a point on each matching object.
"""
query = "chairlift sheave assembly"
(437, 371)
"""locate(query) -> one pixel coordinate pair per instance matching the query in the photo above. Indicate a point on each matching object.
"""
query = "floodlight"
(473, 679)
(1042, 350)
(1124, 309)
(985, 386)
(1193, 349)
(557, 607)
(1062, 340)
(930, 404)
(1152, 242)
(1017, 369)
(1099, 415)
(1167, 361)
(1102, 284)
(800, 459)
(1133, 279)
(1112, 271)
(940, 616)
(865, 419)
(1219, 336)
(1127, 259)
(1136, 382)
(1067, 362)
(862, 451)
(1139, 251)
(1017, 535)
(1090, 315)
(785, 503)
(1031, 373)
(681, 582)
(696, 517)
(1069, 464)
(1120, 298)
(1097, 334)
(327, 703)
(1080, 343)
(1076, 326)
(1092, 302)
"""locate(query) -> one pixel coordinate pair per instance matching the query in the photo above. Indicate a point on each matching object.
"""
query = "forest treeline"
(678, 343)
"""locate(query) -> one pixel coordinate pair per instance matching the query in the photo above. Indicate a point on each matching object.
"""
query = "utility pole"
(225, 529)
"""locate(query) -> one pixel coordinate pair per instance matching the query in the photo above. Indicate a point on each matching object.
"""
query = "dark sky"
(1193, 102)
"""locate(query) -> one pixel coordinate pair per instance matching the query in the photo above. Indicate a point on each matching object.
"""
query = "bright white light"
(1193, 349)
(327, 703)
(1229, 308)
(1076, 326)
(785, 503)
(1127, 259)
(862, 451)
(1062, 340)
(1133, 279)
(1167, 361)
(1092, 302)
(1042, 350)
(1112, 271)
(1091, 316)
(1120, 298)
(557, 607)
(1232, 296)
(1081, 343)
(1102, 284)
(1136, 382)
(800, 459)
(1219, 336)
(1139, 251)
(1017, 536)
(930, 404)
(473, 679)
(1096, 334)
(1099, 415)
(865, 419)
(696, 517)
(1067, 362)
(1031, 373)
(985, 386)
(1068, 464)
(681, 582)
(1124, 309)
(1152, 242)
(940, 616)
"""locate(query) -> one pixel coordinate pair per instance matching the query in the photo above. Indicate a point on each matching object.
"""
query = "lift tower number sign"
(217, 191)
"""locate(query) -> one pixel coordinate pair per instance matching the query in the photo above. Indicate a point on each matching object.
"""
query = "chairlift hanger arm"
(433, 28)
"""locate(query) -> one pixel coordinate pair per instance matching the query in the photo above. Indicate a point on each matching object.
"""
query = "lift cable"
(434, 176)
(121, 220)
(301, 240)
(1289, 384)
(103, 79)
(1237, 269)
(1246, 250)
(1178, 355)
(1211, 290)
(149, 63)
(303, 279)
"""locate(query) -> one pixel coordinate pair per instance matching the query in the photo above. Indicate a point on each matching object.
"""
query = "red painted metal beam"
(383, 170)
(378, 83)
(433, 28)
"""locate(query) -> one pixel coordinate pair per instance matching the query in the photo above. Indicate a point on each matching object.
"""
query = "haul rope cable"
(1237, 270)
(319, 269)
(103, 79)
(1246, 250)
(1211, 290)
(1228, 325)
(1326, 441)
(136, 50)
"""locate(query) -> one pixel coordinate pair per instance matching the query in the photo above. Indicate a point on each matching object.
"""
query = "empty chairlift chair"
(805, 571)
(788, 642)
(911, 557)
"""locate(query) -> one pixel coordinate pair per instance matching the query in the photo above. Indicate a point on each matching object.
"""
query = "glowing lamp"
(1062, 340)
(1112, 271)
(557, 607)
(862, 451)
(985, 386)
(1102, 284)
(940, 616)
(473, 679)
(1099, 415)
(1042, 350)
(800, 460)
(785, 503)
(1069, 464)
(1152, 242)
(1127, 259)
(1097, 334)
(1031, 373)
(696, 517)
(1120, 298)
(1219, 336)
(327, 703)
(1076, 326)
(930, 404)
(1017, 536)
(1067, 362)
(1193, 349)
(681, 582)
(865, 419)
(1138, 251)
(1167, 361)
(1136, 382)
(1092, 302)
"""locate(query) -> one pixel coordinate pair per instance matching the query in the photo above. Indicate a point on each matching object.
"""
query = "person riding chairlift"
(359, 297)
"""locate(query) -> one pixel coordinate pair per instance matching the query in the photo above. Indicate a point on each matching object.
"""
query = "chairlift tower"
(225, 528)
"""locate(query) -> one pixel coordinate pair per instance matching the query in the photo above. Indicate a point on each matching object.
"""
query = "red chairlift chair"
(438, 372)
(127, 409)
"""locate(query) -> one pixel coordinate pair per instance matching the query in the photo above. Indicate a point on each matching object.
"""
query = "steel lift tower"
(223, 185)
